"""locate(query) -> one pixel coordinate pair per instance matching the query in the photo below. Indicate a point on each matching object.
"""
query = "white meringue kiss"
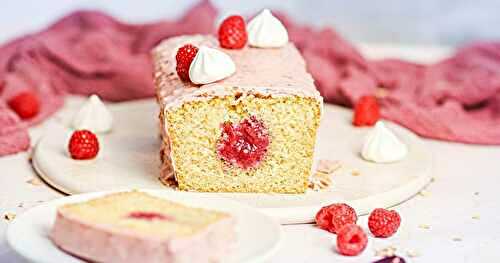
(382, 146)
(93, 116)
(266, 31)
(210, 65)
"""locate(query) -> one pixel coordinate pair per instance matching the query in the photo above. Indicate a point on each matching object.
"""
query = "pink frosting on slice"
(101, 243)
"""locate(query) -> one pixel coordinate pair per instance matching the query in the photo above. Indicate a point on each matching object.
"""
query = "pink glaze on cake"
(259, 72)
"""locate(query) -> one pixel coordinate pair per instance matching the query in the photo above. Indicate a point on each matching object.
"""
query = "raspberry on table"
(25, 104)
(183, 58)
(333, 217)
(351, 240)
(83, 145)
(233, 33)
(366, 111)
(383, 222)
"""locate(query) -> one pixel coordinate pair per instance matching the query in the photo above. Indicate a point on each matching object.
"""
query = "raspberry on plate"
(351, 240)
(184, 57)
(333, 217)
(233, 33)
(383, 223)
(83, 145)
(25, 104)
(366, 111)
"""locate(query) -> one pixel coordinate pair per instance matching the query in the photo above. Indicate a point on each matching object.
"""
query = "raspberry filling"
(149, 216)
(243, 144)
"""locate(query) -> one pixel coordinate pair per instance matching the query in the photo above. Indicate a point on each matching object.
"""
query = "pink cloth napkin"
(457, 99)
(84, 53)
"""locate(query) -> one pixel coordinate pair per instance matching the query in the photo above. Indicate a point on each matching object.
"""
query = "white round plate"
(28, 233)
(129, 158)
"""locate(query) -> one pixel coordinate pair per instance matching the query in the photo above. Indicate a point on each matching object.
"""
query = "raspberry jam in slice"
(243, 144)
(149, 216)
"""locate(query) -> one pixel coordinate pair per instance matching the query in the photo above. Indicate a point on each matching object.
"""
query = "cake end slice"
(138, 227)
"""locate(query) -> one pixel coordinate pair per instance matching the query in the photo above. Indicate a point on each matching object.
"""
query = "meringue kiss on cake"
(246, 120)
(210, 65)
(266, 31)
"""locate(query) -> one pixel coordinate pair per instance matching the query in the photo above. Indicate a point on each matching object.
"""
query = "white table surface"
(461, 208)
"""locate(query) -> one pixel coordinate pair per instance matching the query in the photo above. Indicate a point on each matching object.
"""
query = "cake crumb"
(319, 181)
(355, 173)
(424, 226)
(386, 251)
(34, 181)
(412, 253)
(457, 239)
(9, 216)
(477, 217)
(328, 166)
(424, 193)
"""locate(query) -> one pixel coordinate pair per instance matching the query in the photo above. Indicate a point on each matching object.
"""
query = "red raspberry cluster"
(25, 104)
(184, 57)
(233, 33)
(341, 219)
(243, 144)
(83, 145)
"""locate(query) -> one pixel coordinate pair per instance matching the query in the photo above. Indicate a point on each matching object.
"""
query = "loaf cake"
(138, 227)
(253, 131)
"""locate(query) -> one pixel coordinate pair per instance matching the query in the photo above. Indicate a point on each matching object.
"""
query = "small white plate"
(258, 235)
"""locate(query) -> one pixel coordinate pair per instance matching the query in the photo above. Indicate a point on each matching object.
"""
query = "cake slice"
(138, 227)
(254, 131)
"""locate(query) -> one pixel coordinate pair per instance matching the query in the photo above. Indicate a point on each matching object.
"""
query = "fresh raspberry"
(333, 217)
(383, 223)
(366, 111)
(243, 144)
(25, 104)
(83, 145)
(184, 57)
(233, 33)
(351, 240)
